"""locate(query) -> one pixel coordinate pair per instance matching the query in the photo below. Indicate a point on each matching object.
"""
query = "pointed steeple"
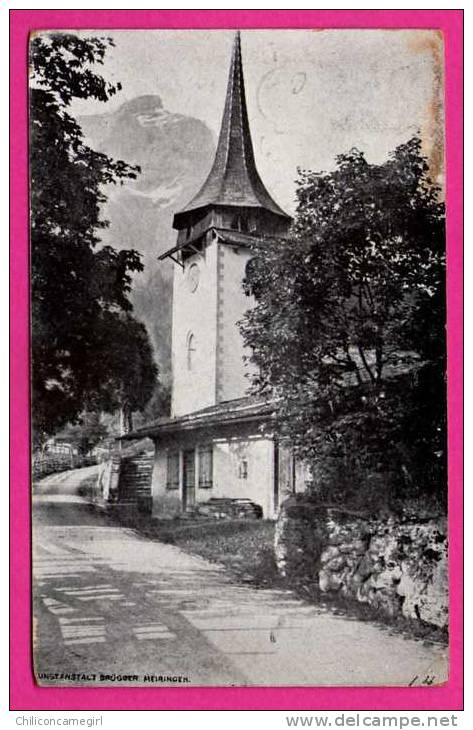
(233, 179)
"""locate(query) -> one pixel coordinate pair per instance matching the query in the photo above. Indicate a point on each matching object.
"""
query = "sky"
(311, 95)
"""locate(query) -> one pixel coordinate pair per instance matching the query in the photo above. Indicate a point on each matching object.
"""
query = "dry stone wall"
(397, 565)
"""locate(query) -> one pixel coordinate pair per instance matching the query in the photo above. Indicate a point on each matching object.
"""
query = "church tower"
(216, 231)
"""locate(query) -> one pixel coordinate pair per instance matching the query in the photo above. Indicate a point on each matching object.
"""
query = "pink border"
(25, 695)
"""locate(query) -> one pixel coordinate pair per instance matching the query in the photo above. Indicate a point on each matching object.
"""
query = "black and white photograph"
(238, 358)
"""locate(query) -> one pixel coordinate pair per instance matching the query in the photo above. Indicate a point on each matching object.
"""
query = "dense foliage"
(348, 331)
(80, 289)
(124, 357)
(89, 431)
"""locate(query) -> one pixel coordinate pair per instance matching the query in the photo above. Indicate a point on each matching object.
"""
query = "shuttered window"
(205, 467)
(172, 475)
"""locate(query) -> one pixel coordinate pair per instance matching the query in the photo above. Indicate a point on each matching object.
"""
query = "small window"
(172, 474)
(190, 351)
(205, 467)
(243, 469)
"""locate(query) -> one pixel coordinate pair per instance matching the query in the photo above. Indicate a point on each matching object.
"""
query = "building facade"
(218, 441)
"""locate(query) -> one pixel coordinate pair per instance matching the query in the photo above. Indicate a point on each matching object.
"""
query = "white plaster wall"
(232, 304)
(158, 480)
(258, 486)
(227, 455)
(166, 502)
(194, 312)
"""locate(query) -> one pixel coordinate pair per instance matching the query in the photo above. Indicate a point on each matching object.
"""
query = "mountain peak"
(145, 104)
(174, 151)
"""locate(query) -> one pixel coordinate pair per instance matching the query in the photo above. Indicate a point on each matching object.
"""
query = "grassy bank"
(244, 547)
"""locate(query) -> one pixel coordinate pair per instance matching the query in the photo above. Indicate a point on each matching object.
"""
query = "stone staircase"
(134, 484)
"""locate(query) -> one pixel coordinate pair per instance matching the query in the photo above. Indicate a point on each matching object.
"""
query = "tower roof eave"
(180, 219)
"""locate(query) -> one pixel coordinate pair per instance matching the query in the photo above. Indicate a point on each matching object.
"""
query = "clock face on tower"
(193, 276)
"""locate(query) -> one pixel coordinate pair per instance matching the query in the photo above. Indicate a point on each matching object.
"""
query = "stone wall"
(397, 565)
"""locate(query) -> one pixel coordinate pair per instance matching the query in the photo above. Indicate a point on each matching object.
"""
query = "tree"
(87, 433)
(129, 375)
(74, 280)
(348, 331)
(159, 405)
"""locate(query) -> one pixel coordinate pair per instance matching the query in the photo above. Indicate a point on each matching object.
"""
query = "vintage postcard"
(238, 357)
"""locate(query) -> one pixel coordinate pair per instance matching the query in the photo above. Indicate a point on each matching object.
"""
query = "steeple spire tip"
(234, 179)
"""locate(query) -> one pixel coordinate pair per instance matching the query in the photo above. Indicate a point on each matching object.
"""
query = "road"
(111, 607)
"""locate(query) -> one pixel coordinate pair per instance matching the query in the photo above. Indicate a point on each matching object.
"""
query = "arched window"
(190, 350)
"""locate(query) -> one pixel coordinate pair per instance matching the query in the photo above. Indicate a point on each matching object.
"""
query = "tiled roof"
(233, 179)
(240, 410)
(252, 408)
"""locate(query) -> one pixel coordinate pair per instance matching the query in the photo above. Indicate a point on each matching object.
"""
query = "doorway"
(188, 492)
